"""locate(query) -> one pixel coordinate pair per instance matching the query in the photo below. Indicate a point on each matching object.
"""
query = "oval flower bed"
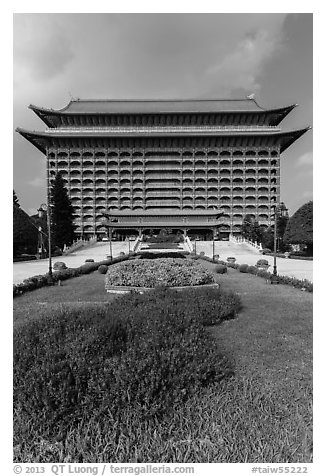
(149, 273)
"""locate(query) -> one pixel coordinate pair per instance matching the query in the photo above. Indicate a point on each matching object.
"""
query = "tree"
(24, 233)
(63, 230)
(250, 229)
(268, 235)
(299, 229)
(16, 201)
(247, 226)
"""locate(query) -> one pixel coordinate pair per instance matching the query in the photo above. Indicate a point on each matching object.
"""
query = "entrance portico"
(190, 222)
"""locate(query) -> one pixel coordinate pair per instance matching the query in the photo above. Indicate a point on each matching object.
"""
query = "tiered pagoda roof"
(97, 121)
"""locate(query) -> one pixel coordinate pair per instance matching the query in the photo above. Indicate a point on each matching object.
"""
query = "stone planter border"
(141, 290)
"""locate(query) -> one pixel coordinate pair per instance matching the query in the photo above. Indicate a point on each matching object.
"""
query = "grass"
(85, 290)
(263, 414)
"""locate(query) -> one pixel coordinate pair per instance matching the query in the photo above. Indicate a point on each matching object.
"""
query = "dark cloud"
(41, 46)
(162, 56)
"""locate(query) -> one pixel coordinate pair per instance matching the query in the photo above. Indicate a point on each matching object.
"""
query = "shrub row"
(292, 255)
(166, 254)
(295, 282)
(41, 280)
(143, 353)
(161, 238)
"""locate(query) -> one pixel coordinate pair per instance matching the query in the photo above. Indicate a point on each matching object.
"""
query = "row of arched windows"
(150, 164)
(165, 153)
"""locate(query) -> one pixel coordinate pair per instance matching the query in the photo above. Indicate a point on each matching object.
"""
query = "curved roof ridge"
(73, 104)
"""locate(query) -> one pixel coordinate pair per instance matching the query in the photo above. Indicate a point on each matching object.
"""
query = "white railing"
(189, 244)
(142, 129)
(137, 242)
(77, 244)
(241, 239)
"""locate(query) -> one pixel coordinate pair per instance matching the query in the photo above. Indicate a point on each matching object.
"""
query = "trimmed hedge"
(164, 271)
(243, 268)
(39, 281)
(303, 284)
(221, 269)
(144, 353)
(262, 262)
(252, 269)
(102, 269)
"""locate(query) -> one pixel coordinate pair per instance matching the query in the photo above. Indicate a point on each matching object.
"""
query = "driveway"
(300, 269)
(244, 254)
(98, 252)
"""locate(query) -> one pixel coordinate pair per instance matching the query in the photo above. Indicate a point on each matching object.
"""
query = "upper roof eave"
(111, 133)
(159, 107)
(33, 136)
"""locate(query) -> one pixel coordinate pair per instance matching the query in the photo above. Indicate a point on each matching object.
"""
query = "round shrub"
(102, 269)
(243, 268)
(263, 274)
(252, 270)
(262, 262)
(221, 269)
(122, 253)
(202, 253)
(59, 265)
(232, 265)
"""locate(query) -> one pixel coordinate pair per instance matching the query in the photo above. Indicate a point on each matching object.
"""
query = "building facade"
(163, 163)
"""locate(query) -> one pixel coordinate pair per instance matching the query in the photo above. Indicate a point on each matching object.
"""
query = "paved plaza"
(98, 252)
(243, 253)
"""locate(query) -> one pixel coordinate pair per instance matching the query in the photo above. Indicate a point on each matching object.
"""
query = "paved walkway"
(98, 252)
(243, 253)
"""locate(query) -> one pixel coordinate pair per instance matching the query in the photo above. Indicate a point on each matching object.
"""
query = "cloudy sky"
(114, 56)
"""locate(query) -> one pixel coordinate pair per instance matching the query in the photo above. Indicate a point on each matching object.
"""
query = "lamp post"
(274, 278)
(46, 208)
(110, 239)
(279, 210)
(40, 242)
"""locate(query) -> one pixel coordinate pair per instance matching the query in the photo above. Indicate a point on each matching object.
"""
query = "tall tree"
(63, 230)
(299, 229)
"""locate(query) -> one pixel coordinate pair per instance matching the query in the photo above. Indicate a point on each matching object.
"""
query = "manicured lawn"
(262, 414)
(86, 290)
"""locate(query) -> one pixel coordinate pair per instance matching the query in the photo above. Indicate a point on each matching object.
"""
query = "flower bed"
(147, 273)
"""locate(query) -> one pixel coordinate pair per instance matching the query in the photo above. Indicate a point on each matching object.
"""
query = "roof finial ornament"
(251, 96)
(72, 98)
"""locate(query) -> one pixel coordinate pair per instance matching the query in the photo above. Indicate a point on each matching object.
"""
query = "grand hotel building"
(166, 163)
